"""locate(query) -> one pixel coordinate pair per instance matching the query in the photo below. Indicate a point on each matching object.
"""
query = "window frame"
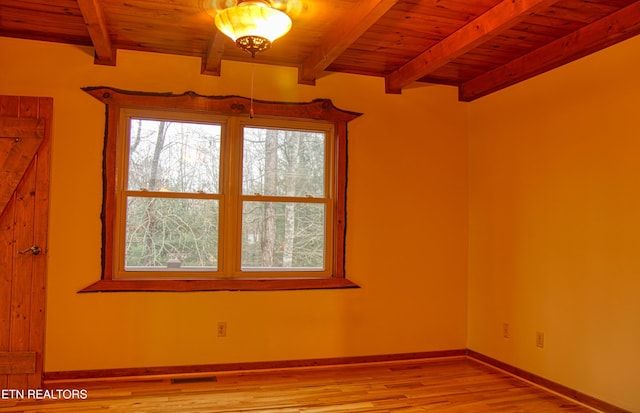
(319, 110)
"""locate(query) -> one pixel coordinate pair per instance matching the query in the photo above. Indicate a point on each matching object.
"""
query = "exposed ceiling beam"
(97, 26)
(352, 25)
(504, 15)
(212, 60)
(602, 33)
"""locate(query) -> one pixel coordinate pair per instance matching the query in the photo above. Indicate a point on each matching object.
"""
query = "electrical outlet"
(505, 330)
(539, 339)
(222, 328)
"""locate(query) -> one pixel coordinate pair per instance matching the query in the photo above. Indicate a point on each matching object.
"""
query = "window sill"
(279, 284)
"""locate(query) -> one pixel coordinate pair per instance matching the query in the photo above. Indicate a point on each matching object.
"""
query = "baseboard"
(548, 384)
(123, 373)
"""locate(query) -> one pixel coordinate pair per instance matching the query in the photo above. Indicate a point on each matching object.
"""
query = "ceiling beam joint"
(353, 25)
(95, 21)
(602, 33)
(502, 16)
(212, 60)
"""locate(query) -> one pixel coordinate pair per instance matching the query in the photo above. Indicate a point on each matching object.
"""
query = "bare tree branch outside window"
(177, 159)
(289, 164)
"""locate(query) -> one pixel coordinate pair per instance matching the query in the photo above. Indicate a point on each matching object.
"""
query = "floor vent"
(207, 379)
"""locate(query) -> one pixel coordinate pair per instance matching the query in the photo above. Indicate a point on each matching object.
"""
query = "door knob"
(35, 250)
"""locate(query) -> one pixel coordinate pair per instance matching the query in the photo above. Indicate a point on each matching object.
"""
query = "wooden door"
(25, 124)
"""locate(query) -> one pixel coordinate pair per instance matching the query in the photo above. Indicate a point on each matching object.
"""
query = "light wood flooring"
(457, 384)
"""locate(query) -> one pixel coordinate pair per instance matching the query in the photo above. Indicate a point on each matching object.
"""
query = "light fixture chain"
(251, 113)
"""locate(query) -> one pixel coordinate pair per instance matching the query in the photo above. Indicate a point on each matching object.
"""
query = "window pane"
(283, 235)
(283, 162)
(171, 234)
(174, 156)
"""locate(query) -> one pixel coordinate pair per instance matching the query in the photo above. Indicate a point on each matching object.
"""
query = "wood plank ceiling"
(479, 46)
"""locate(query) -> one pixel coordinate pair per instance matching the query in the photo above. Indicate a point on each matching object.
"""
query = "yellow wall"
(406, 241)
(554, 224)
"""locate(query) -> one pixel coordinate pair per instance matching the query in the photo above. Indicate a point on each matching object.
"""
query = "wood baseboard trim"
(548, 384)
(174, 371)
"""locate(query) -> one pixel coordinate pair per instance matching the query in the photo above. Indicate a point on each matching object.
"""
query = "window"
(168, 209)
(200, 196)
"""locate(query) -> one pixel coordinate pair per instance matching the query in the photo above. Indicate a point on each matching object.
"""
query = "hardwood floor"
(449, 385)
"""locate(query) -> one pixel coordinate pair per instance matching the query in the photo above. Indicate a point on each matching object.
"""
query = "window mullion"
(232, 169)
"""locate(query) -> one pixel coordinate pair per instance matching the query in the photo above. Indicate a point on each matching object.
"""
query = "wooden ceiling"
(480, 46)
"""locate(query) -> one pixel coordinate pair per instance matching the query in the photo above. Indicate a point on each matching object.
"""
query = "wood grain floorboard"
(453, 385)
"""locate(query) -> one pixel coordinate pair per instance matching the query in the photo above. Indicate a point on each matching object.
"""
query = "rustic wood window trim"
(319, 109)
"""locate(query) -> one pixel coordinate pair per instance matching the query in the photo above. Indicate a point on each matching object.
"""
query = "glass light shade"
(253, 19)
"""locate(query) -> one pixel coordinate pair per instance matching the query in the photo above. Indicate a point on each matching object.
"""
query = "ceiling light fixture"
(253, 25)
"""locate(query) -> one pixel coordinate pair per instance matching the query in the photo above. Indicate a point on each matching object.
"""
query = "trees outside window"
(171, 214)
(285, 206)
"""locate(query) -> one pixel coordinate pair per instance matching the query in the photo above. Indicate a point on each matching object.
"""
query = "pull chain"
(251, 113)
